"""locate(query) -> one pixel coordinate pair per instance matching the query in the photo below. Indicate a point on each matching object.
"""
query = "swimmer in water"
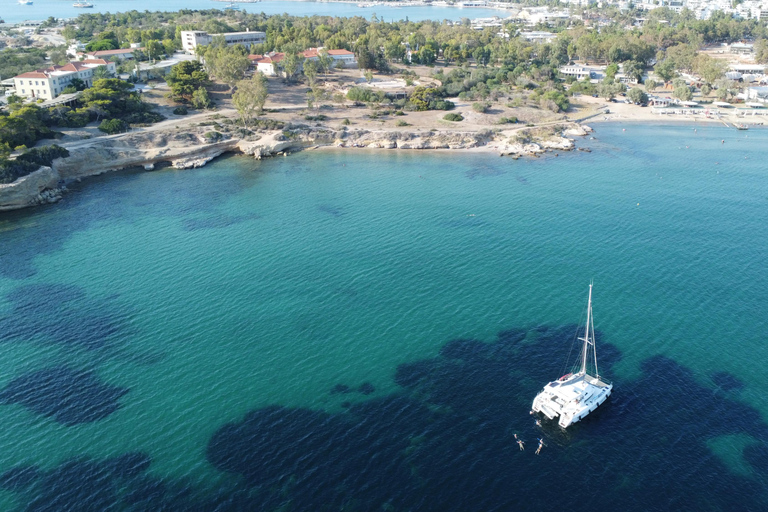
(521, 445)
(541, 444)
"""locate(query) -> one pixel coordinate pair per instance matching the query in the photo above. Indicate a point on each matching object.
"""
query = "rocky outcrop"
(38, 187)
(145, 149)
(189, 147)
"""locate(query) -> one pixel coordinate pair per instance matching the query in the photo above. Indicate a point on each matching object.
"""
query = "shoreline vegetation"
(320, 81)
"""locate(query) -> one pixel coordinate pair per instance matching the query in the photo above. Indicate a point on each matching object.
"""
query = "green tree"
(112, 126)
(650, 84)
(482, 55)
(325, 61)
(761, 51)
(394, 50)
(200, 98)
(250, 96)
(666, 70)
(228, 63)
(637, 95)
(291, 64)
(154, 49)
(58, 55)
(682, 92)
(185, 78)
(69, 33)
(102, 72)
(310, 71)
(708, 68)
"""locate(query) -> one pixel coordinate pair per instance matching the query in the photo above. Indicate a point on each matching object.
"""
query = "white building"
(346, 57)
(580, 72)
(49, 82)
(190, 39)
(269, 64)
(539, 37)
(121, 54)
(757, 94)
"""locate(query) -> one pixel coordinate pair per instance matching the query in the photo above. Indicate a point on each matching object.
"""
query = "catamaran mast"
(586, 334)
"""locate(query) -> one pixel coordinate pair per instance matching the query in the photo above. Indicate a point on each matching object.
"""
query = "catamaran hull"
(543, 404)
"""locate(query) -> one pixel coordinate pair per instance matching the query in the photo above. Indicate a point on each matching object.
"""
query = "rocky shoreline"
(193, 147)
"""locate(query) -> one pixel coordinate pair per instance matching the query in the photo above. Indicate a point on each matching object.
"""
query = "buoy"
(638, 204)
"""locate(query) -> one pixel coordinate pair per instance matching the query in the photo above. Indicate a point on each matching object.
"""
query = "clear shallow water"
(12, 12)
(368, 329)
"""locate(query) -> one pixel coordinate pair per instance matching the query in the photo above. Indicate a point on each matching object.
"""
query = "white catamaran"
(575, 395)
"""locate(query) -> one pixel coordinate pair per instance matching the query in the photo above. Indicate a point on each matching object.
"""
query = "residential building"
(190, 39)
(49, 82)
(122, 54)
(539, 37)
(346, 57)
(742, 48)
(580, 72)
(269, 64)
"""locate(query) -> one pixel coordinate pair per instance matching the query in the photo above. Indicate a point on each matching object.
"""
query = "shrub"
(11, 170)
(44, 155)
(453, 117)
(112, 126)
(400, 122)
(211, 137)
(346, 122)
(268, 124)
(481, 107)
(508, 120)
(180, 110)
(319, 117)
(366, 95)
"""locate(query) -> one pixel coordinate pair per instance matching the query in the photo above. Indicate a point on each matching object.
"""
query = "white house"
(580, 72)
(49, 82)
(269, 64)
(346, 57)
(190, 39)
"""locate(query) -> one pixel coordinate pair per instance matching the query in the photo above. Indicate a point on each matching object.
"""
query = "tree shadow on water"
(61, 314)
(68, 396)
(447, 441)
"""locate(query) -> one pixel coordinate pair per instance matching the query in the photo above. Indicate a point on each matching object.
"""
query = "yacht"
(25, 2)
(573, 396)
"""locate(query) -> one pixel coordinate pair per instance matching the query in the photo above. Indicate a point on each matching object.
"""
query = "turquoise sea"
(12, 12)
(366, 330)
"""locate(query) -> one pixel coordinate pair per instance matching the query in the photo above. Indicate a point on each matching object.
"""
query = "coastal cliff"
(36, 188)
(196, 146)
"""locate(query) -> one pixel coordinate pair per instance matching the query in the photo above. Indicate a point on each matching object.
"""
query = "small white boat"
(25, 2)
(573, 396)
(83, 5)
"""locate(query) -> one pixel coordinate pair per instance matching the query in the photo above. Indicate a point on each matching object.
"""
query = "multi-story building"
(190, 39)
(49, 82)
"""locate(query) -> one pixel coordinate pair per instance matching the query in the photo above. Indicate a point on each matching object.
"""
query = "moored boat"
(574, 395)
